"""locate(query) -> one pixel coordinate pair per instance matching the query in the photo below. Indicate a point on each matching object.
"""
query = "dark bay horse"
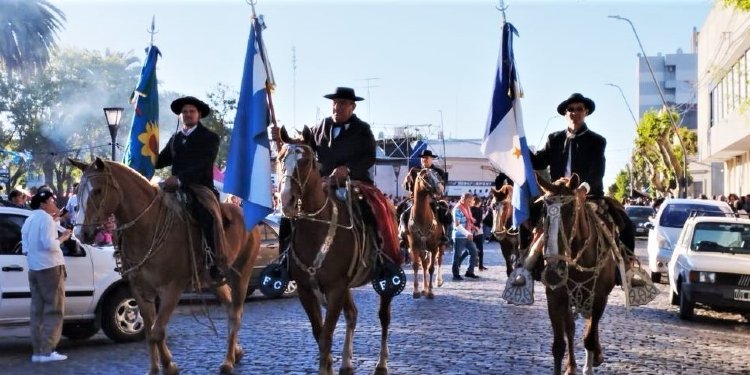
(424, 232)
(329, 254)
(579, 254)
(161, 252)
(502, 222)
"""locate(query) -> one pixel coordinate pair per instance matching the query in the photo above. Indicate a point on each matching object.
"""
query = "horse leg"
(431, 270)
(439, 259)
(425, 258)
(594, 354)
(385, 321)
(335, 304)
(350, 314)
(416, 264)
(312, 307)
(223, 293)
(570, 336)
(506, 247)
(148, 312)
(169, 299)
(557, 320)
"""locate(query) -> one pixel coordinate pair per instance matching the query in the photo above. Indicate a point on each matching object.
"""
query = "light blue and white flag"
(504, 139)
(248, 172)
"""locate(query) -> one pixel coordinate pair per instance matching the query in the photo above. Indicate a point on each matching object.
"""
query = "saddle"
(386, 229)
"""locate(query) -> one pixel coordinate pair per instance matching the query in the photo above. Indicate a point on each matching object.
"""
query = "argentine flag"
(248, 172)
(504, 139)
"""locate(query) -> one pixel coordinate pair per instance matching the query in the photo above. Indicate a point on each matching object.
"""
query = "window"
(10, 232)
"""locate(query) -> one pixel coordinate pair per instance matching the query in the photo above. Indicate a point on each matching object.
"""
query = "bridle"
(426, 178)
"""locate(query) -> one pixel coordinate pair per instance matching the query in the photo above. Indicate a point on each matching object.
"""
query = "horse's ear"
(574, 181)
(307, 135)
(78, 164)
(98, 163)
(544, 184)
(285, 135)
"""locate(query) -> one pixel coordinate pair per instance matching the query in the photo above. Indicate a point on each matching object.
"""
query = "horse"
(424, 232)
(161, 251)
(502, 222)
(330, 254)
(579, 251)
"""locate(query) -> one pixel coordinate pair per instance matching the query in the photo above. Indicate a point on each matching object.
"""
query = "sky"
(416, 62)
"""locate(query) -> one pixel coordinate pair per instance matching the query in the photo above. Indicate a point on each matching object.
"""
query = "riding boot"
(206, 211)
(403, 224)
(531, 261)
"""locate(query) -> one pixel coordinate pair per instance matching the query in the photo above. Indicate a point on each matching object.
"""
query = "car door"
(15, 297)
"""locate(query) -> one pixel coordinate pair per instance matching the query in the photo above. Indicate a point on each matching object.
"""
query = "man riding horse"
(345, 148)
(439, 208)
(192, 152)
(579, 150)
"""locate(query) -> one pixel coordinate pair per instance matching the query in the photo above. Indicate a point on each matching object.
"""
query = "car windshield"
(639, 211)
(674, 215)
(721, 237)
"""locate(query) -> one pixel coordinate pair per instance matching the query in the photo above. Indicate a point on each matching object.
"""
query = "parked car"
(666, 226)
(96, 296)
(640, 215)
(710, 266)
(269, 253)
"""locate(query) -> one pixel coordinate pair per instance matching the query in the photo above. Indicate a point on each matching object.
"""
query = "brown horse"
(161, 252)
(330, 254)
(579, 252)
(502, 209)
(424, 232)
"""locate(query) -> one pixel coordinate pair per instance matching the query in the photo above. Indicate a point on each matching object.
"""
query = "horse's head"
(428, 182)
(296, 168)
(98, 197)
(565, 216)
(501, 208)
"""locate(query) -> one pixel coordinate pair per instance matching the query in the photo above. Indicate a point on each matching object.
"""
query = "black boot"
(217, 275)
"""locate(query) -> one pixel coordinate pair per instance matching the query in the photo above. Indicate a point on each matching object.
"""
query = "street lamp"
(630, 170)
(113, 115)
(664, 103)
(442, 137)
(544, 132)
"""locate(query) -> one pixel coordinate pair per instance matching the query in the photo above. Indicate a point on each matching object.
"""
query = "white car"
(667, 224)
(710, 265)
(96, 297)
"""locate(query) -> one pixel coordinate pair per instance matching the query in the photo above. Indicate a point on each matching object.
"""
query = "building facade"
(724, 98)
(676, 75)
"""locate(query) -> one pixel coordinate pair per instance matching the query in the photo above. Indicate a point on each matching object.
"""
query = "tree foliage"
(28, 34)
(743, 5)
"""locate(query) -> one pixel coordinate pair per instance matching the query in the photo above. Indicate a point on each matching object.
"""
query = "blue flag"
(143, 141)
(504, 139)
(248, 172)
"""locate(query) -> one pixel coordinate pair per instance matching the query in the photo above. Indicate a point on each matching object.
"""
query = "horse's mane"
(117, 167)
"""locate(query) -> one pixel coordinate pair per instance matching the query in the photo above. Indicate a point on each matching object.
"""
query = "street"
(466, 329)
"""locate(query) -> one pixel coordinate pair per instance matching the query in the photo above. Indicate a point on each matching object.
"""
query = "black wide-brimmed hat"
(427, 153)
(576, 98)
(344, 93)
(202, 107)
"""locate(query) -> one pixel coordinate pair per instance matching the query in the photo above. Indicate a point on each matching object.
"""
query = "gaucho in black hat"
(191, 152)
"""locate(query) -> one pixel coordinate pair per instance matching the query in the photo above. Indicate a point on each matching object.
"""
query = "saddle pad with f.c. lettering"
(386, 221)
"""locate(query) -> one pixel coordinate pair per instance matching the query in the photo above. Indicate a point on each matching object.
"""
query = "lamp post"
(544, 132)
(664, 103)
(632, 115)
(442, 137)
(113, 116)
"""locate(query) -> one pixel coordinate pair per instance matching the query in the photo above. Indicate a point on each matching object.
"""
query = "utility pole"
(442, 137)
(369, 98)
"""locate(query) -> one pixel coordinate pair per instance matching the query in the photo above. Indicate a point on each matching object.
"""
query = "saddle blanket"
(386, 228)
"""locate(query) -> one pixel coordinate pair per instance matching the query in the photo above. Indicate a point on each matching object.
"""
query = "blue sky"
(419, 57)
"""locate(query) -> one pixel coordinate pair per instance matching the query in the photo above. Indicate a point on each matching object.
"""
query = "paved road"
(467, 329)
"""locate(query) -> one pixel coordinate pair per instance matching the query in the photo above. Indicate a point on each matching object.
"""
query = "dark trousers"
(479, 241)
(205, 220)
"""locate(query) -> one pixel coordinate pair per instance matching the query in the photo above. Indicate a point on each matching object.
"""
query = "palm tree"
(28, 29)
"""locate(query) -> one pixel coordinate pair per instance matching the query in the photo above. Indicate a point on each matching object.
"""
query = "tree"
(743, 5)
(28, 33)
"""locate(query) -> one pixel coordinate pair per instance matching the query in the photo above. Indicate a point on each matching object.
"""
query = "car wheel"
(656, 277)
(121, 317)
(687, 306)
(291, 288)
(675, 299)
(79, 331)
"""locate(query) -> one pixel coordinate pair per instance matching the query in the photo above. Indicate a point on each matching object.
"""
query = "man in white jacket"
(41, 243)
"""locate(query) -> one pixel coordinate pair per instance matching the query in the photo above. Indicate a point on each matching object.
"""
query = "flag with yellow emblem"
(143, 141)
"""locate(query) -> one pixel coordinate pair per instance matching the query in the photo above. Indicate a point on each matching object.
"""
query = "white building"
(676, 75)
(724, 99)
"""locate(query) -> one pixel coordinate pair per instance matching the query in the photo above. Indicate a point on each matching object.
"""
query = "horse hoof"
(346, 371)
(424, 293)
(440, 283)
(381, 371)
(226, 368)
(430, 295)
(171, 369)
(416, 295)
(598, 360)
(238, 354)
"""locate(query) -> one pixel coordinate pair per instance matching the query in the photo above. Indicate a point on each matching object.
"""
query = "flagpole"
(152, 30)
(269, 84)
(502, 9)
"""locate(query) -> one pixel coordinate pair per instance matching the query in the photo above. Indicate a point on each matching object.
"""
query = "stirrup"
(641, 290)
(519, 294)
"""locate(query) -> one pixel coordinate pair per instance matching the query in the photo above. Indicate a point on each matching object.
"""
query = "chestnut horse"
(161, 252)
(330, 253)
(424, 232)
(502, 213)
(579, 253)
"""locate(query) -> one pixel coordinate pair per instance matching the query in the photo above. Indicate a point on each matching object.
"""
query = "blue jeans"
(459, 245)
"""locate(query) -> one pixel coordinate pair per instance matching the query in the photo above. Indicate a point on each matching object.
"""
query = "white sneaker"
(51, 357)
(35, 358)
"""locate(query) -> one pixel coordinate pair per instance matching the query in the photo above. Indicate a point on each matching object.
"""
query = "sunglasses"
(575, 109)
